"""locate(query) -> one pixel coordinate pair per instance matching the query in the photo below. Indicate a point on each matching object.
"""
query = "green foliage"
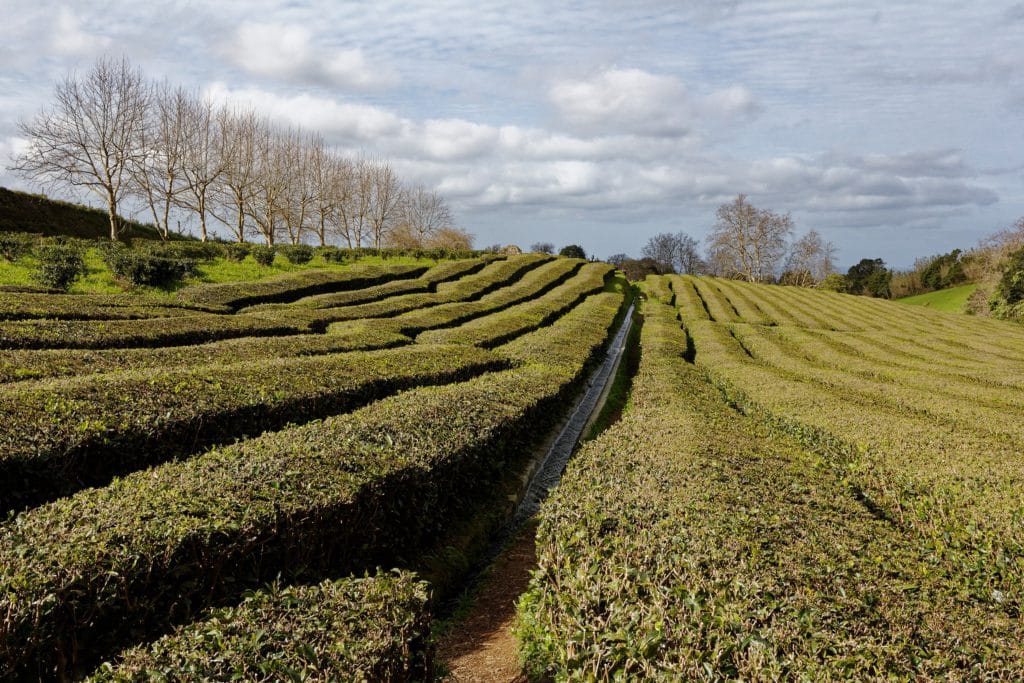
(65, 434)
(298, 254)
(263, 254)
(292, 286)
(1011, 284)
(943, 271)
(58, 266)
(14, 245)
(147, 268)
(360, 629)
(834, 282)
(573, 251)
(236, 251)
(870, 277)
(354, 490)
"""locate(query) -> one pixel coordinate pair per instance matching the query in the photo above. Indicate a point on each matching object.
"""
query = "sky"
(892, 128)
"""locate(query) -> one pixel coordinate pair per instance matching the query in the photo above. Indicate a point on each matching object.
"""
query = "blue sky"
(892, 128)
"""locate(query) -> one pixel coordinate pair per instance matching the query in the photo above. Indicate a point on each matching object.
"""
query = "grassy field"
(952, 300)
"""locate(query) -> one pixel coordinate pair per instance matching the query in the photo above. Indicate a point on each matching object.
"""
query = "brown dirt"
(481, 647)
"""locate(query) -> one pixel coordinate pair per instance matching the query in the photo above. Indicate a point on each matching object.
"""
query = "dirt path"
(481, 646)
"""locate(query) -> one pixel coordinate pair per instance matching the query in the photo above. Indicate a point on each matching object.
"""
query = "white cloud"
(71, 39)
(291, 51)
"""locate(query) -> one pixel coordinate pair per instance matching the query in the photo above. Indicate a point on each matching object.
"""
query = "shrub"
(297, 254)
(573, 251)
(59, 266)
(14, 245)
(145, 268)
(833, 282)
(320, 630)
(332, 254)
(263, 254)
(235, 251)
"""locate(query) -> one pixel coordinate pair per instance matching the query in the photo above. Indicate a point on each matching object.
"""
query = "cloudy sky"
(894, 128)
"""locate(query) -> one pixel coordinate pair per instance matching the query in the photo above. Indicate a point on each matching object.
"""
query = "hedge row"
(83, 574)
(27, 306)
(445, 271)
(61, 435)
(22, 365)
(691, 542)
(500, 327)
(292, 286)
(151, 332)
(360, 629)
(492, 277)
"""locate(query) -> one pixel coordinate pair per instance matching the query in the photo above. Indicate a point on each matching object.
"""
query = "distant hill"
(951, 300)
(24, 212)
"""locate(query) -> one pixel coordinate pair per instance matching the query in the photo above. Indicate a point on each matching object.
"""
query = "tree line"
(125, 138)
(747, 243)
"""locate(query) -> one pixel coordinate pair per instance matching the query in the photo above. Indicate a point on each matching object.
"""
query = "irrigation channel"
(480, 647)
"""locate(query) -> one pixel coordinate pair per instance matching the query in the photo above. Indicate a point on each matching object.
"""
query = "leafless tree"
(748, 242)
(87, 140)
(203, 160)
(354, 192)
(241, 133)
(157, 177)
(295, 168)
(421, 214)
(678, 253)
(326, 174)
(542, 248)
(811, 259)
(385, 199)
(266, 203)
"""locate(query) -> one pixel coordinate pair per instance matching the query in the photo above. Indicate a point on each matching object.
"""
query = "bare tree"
(295, 169)
(421, 214)
(678, 253)
(203, 159)
(329, 177)
(542, 248)
(234, 187)
(748, 242)
(354, 192)
(157, 177)
(87, 140)
(266, 203)
(811, 259)
(385, 199)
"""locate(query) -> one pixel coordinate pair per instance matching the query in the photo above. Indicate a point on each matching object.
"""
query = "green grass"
(952, 300)
(99, 279)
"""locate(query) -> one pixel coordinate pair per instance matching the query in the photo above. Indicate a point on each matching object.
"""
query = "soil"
(481, 647)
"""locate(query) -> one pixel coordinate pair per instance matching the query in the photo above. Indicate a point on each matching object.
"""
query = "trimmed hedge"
(62, 435)
(428, 282)
(292, 286)
(361, 629)
(500, 327)
(692, 542)
(169, 331)
(80, 575)
(48, 363)
(32, 306)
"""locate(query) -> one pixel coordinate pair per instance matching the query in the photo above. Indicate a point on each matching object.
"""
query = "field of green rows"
(805, 485)
(218, 485)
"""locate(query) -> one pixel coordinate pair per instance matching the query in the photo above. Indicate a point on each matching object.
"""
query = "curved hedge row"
(62, 435)
(80, 575)
(691, 542)
(361, 630)
(28, 306)
(494, 276)
(500, 327)
(445, 271)
(292, 286)
(50, 363)
(150, 332)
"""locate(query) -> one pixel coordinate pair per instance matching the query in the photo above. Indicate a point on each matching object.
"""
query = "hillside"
(951, 300)
(24, 212)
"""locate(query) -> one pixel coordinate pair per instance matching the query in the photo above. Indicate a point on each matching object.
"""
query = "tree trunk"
(112, 207)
